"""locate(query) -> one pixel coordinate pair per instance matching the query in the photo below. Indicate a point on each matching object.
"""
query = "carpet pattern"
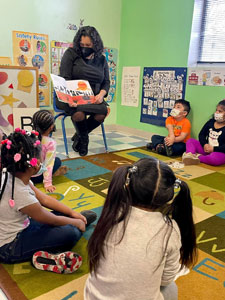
(85, 187)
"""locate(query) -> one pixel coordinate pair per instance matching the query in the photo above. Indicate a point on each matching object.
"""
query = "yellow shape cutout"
(25, 78)
(9, 100)
(25, 81)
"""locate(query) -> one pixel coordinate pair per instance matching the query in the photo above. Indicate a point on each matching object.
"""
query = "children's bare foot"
(61, 171)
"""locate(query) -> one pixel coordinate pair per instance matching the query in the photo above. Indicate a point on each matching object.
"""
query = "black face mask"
(86, 51)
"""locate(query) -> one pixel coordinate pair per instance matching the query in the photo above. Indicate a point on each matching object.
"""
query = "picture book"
(73, 91)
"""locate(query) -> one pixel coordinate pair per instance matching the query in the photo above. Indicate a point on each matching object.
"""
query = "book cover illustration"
(73, 91)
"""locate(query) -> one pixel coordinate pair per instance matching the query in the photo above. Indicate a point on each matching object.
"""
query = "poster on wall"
(206, 76)
(57, 51)
(32, 50)
(5, 61)
(161, 87)
(111, 55)
(130, 86)
(18, 89)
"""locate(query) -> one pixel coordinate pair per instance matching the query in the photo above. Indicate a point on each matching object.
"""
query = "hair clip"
(35, 132)
(9, 143)
(4, 141)
(11, 203)
(131, 170)
(17, 157)
(23, 131)
(17, 129)
(177, 183)
(33, 162)
(37, 143)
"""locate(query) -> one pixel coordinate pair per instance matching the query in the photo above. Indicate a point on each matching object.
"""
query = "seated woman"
(86, 61)
(210, 149)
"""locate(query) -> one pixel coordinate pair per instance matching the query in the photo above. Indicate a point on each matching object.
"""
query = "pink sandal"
(65, 262)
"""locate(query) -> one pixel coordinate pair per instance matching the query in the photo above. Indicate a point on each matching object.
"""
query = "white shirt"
(12, 220)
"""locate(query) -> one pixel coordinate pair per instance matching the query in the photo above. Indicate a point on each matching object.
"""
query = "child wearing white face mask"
(210, 149)
(179, 131)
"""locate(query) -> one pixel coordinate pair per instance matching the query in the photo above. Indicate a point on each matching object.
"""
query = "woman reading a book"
(86, 61)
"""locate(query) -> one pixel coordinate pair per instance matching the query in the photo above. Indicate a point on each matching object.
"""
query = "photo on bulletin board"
(18, 89)
(111, 55)
(161, 88)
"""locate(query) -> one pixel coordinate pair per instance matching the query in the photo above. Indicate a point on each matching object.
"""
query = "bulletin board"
(162, 86)
(18, 89)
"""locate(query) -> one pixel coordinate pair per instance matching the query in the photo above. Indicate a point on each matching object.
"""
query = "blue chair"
(61, 113)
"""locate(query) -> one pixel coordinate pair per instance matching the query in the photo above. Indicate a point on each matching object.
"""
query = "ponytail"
(183, 214)
(115, 210)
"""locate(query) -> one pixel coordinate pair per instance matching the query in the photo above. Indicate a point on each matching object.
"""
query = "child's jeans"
(213, 159)
(178, 148)
(38, 237)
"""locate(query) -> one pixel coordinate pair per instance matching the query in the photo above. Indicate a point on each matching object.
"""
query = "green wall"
(156, 33)
(53, 16)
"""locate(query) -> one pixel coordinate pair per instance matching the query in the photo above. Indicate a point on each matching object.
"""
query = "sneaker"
(169, 150)
(190, 159)
(65, 262)
(160, 149)
(90, 215)
(149, 146)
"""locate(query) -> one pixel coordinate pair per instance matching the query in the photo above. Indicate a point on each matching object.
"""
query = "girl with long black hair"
(145, 235)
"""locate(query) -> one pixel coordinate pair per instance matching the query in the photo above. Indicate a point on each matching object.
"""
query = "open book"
(70, 91)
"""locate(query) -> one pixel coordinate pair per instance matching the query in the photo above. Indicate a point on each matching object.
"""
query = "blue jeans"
(38, 237)
(57, 164)
(178, 148)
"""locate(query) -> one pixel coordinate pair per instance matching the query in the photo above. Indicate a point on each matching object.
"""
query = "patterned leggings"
(213, 159)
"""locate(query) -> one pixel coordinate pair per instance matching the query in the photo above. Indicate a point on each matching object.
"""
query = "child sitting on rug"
(144, 237)
(210, 149)
(44, 123)
(179, 131)
(27, 229)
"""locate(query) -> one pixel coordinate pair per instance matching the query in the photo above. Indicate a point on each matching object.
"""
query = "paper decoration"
(31, 49)
(20, 89)
(206, 76)
(130, 86)
(161, 87)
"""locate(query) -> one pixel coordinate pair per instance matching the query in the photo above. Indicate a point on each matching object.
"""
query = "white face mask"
(41, 170)
(218, 117)
(175, 112)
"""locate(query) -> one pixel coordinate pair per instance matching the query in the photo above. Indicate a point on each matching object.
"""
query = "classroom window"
(207, 43)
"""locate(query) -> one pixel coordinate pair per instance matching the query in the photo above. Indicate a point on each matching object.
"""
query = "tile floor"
(115, 140)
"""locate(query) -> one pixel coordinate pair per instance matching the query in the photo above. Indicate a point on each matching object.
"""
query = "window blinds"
(212, 33)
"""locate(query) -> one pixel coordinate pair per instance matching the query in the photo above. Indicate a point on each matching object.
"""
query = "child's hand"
(169, 140)
(72, 104)
(208, 148)
(79, 224)
(76, 215)
(50, 189)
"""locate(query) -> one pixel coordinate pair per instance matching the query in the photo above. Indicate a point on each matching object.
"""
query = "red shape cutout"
(11, 86)
(10, 119)
(3, 77)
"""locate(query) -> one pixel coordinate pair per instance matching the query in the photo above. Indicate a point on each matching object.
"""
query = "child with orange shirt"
(179, 131)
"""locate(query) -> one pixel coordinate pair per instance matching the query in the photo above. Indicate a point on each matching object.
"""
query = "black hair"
(185, 103)
(42, 120)
(222, 102)
(148, 184)
(19, 143)
(93, 34)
